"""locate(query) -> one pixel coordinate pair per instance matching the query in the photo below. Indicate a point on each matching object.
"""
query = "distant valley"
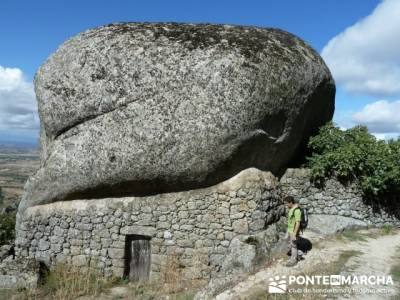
(17, 163)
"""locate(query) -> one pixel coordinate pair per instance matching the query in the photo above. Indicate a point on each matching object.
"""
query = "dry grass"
(66, 282)
(362, 235)
(172, 274)
(173, 284)
(152, 291)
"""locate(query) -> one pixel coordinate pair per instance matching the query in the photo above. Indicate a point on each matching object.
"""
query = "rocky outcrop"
(135, 109)
(331, 224)
(19, 273)
(6, 251)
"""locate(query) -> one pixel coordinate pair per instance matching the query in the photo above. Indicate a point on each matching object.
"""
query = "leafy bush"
(1, 197)
(7, 228)
(356, 155)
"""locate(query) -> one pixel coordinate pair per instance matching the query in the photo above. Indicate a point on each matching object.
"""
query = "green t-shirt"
(294, 215)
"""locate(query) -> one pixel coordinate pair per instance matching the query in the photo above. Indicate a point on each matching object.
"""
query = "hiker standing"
(293, 228)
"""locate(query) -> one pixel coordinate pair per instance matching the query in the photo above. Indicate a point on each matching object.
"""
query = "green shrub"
(356, 155)
(1, 197)
(387, 228)
(7, 228)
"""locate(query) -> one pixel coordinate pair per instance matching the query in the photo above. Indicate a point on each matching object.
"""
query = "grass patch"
(151, 291)
(354, 235)
(344, 257)
(373, 233)
(395, 272)
(345, 237)
(69, 282)
(387, 229)
(66, 282)
(7, 294)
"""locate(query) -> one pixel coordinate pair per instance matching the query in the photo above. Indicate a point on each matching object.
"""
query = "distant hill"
(19, 141)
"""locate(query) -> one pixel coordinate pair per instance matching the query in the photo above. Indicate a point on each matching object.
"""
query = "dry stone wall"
(201, 228)
(335, 206)
(225, 229)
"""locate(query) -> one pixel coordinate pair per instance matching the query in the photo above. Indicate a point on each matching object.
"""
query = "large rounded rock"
(141, 108)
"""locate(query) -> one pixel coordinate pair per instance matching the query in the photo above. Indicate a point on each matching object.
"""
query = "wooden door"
(139, 258)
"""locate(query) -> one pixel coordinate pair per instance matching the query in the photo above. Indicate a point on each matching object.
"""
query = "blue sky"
(352, 36)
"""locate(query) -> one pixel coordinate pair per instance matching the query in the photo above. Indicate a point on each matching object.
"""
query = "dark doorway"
(138, 255)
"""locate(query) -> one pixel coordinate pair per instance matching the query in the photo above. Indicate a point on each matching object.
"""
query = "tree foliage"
(7, 228)
(356, 155)
(1, 196)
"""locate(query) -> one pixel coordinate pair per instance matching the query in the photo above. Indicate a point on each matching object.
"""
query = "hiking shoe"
(291, 263)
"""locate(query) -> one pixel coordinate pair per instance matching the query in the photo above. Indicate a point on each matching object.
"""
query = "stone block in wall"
(80, 260)
(116, 253)
(140, 230)
(240, 226)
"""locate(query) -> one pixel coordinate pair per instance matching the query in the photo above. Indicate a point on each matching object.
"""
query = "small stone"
(167, 235)
(183, 214)
(44, 245)
(186, 227)
(225, 243)
(223, 210)
(191, 205)
(163, 225)
(75, 250)
(116, 253)
(79, 260)
(240, 226)
(185, 243)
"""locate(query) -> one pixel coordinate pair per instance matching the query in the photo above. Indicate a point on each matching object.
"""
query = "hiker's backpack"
(304, 218)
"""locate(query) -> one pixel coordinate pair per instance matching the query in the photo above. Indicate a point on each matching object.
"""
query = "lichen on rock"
(134, 109)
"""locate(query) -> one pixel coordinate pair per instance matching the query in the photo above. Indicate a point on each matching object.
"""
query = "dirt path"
(376, 256)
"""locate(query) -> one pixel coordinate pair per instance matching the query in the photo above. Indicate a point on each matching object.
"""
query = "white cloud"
(18, 109)
(381, 117)
(365, 58)
(387, 136)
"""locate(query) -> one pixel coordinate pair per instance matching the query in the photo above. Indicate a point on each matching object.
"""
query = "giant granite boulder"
(146, 108)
